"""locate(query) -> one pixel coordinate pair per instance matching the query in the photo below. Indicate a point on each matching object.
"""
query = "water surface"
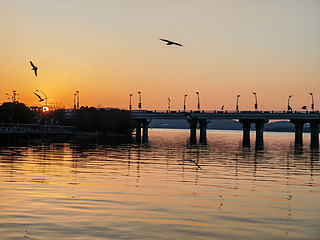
(163, 190)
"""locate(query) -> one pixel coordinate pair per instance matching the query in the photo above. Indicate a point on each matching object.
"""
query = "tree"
(15, 113)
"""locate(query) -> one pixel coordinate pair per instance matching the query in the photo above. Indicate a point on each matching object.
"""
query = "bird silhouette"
(34, 68)
(195, 163)
(40, 98)
(222, 107)
(171, 42)
(304, 107)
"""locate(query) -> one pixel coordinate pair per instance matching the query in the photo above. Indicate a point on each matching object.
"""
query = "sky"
(107, 49)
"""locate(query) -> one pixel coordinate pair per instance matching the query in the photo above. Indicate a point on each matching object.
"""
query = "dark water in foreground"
(64, 191)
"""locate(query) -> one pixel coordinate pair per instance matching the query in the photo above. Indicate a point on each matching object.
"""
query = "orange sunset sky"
(108, 49)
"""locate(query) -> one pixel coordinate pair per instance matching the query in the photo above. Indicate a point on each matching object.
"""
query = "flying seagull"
(40, 98)
(171, 42)
(34, 68)
(304, 107)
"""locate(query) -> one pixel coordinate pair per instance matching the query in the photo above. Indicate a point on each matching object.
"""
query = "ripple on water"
(164, 190)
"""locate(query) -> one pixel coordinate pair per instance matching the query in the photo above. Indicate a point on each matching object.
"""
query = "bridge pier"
(246, 133)
(259, 124)
(259, 133)
(314, 141)
(145, 127)
(138, 131)
(193, 130)
(203, 130)
(298, 136)
(144, 123)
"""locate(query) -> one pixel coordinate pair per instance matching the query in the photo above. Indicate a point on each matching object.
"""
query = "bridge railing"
(224, 112)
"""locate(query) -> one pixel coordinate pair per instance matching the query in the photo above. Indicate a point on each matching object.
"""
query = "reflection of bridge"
(259, 118)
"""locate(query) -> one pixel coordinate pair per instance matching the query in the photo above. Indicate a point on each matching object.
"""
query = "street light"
(312, 104)
(74, 100)
(169, 104)
(289, 108)
(139, 104)
(130, 106)
(13, 98)
(184, 102)
(198, 101)
(78, 99)
(44, 96)
(256, 101)
(237, 104)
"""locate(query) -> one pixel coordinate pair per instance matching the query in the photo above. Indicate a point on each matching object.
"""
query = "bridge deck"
(144, 114)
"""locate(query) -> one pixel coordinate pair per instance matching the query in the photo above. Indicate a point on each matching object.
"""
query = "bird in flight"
(34, 68)
(304, 107)
(171, 42)
(40, 98)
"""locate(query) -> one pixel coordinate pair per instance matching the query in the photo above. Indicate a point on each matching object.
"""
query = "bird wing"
(32, 64)
(165, 40)
(178, 44)
(35, 72)
(40, 98)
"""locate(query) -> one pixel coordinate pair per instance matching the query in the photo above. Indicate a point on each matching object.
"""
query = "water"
(65, 191)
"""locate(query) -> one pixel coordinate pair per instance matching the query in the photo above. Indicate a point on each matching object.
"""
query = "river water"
(163, 190)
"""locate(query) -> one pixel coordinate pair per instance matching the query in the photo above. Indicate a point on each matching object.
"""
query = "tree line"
(88, 119)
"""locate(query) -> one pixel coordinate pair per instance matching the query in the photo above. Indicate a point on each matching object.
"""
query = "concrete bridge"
(259, 118)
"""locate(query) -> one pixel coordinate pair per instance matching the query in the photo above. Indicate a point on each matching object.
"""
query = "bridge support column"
(259, 133)
(193, 130)
(246, 133)
(203, 130)
(298, 125)
(314, 141)
(145, 128)
(138, 131)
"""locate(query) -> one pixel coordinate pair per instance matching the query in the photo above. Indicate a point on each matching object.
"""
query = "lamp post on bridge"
(184, 102)
(198, 101)
(237, 104)
(312, 103)
(256, 101)
(169, 104)
(130, 106)
(139, 104)
(289, 108)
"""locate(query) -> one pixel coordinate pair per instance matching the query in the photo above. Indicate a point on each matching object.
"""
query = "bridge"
(259, 118)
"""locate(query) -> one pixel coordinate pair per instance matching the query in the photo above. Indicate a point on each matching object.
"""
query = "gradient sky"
(108, 49)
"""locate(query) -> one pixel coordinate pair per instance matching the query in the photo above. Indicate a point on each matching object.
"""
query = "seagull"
(195, 163)
(222, 107)
(304, 107)
(40, 98)
(171, 42)
(34, 68)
